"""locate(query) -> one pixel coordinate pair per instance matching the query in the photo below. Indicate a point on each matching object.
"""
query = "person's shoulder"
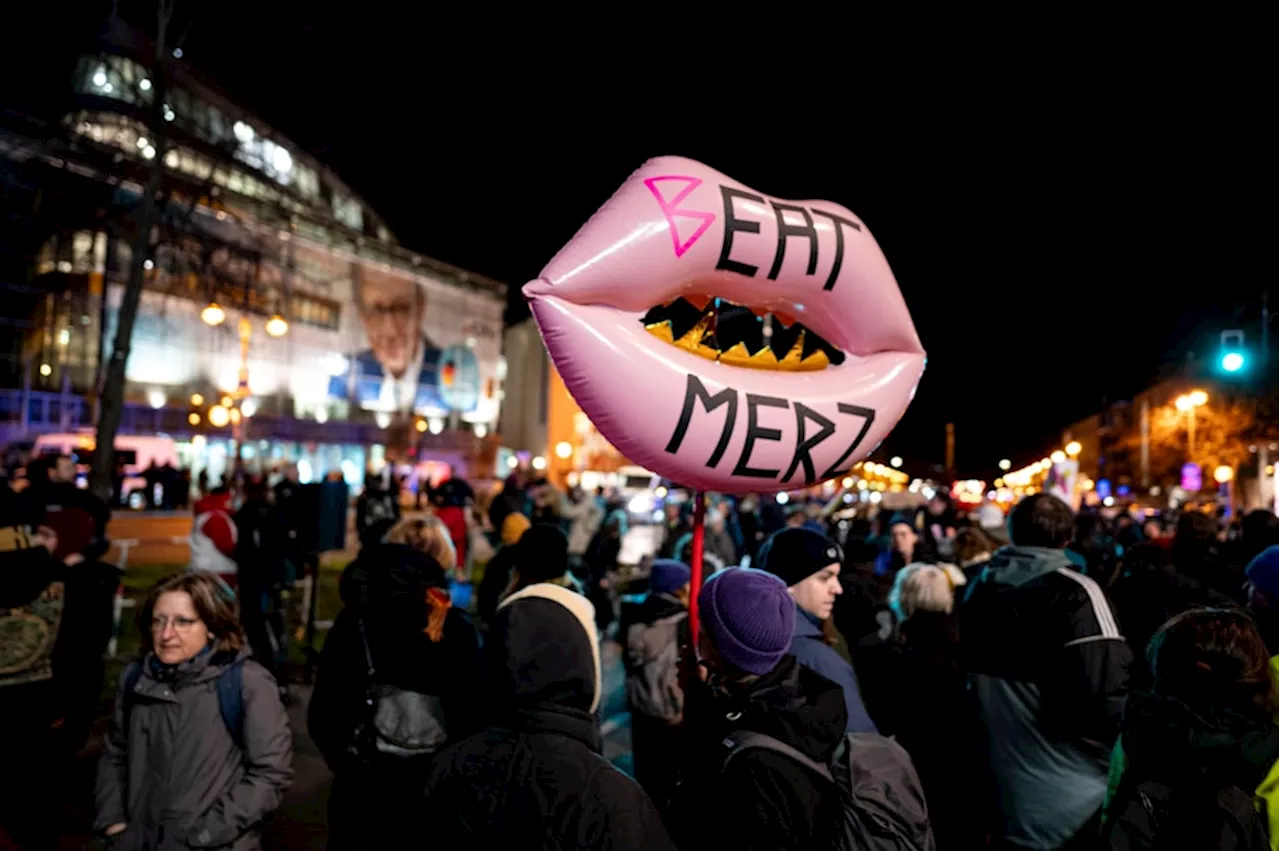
(1080, 602)
(459, 626)
(812, 652)
(256, 678)
(609, 786)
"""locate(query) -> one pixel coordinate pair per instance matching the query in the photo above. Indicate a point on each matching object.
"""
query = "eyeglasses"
(398, 311)
(179, 623)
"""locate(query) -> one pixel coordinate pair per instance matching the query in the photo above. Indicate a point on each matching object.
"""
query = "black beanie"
(793, 555)
(544, 553)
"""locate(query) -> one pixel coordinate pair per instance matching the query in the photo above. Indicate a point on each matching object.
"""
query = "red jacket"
(218, 526)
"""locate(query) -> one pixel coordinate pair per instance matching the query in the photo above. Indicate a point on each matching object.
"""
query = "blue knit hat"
(1264, 571)
(668, 575)
(749, 617)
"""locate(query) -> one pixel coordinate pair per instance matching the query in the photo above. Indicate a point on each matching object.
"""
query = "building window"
(348, 212)
(115, 131)
(314, 311)
(113, 77)
(306, 182)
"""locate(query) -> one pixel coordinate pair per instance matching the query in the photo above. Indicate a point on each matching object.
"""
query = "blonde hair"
(924, 588)
(428, 535)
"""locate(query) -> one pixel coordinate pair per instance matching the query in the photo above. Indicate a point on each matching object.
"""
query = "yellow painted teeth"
(694, 341)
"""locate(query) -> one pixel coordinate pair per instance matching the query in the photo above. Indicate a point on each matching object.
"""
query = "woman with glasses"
(199, 749)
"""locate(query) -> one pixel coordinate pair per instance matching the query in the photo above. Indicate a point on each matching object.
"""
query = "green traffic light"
(1232, 362)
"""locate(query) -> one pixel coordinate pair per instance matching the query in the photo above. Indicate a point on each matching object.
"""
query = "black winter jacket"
(385, 587)
(774, 802)
(534, 778)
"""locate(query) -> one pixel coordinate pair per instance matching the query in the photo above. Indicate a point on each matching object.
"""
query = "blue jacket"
(363, 383)
(814, 653)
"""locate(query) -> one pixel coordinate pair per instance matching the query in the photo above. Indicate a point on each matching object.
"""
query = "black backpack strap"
(741, 740)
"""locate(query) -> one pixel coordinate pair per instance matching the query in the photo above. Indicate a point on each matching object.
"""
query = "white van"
(136, 451)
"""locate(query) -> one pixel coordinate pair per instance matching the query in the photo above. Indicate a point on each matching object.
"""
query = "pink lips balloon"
(704, 418)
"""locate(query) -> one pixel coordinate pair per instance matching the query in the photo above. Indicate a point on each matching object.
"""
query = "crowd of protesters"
(933, 679)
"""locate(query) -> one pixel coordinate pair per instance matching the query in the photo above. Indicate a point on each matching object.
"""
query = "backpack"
(1154, 815)
(653, 677)
(229, 686)
(400, 722)
(882, 803)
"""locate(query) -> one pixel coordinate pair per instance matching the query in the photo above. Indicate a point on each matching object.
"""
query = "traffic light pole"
(1266, 334)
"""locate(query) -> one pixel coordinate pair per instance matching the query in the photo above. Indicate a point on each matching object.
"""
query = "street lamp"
(213, 314)
(1223, 475)
(277, 326)
(1073, 448)
(895, 462)
(1057, 456)
(1005, 464)
(1188, 402)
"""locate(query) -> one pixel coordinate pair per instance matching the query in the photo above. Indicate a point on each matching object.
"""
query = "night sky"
(1067, 203)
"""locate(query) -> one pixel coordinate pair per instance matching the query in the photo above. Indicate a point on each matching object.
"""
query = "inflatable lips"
(656, 315)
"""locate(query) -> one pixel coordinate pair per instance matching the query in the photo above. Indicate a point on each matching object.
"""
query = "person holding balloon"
(743, 397)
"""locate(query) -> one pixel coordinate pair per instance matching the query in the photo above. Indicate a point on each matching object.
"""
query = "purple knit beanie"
(749, 617)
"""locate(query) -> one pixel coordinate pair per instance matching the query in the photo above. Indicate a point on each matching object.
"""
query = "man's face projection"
(392, 311)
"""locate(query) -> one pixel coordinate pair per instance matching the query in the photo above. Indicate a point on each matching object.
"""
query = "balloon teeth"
(698, 341)
(661, 330)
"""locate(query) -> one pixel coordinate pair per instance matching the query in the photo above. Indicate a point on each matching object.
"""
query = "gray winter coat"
(177, 777)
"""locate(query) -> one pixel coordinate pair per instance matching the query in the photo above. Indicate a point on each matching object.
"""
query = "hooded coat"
(774, 801)
(1049, 669)
(174, 773)
(534, 778)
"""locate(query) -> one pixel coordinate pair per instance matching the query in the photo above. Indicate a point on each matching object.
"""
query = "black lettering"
(838, 467)
(835, 267)
(785, 230)
(754, 433)
(694, 390)
(805, 444)
(732, 224)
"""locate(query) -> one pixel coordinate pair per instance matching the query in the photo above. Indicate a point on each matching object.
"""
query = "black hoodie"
(534, 778)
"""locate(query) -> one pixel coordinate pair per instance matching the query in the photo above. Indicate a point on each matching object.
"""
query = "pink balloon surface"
(678, 228)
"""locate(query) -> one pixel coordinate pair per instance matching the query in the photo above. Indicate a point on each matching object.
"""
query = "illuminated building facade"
(340, 346)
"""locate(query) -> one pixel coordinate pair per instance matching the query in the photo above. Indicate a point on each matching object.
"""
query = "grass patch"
(138, 580)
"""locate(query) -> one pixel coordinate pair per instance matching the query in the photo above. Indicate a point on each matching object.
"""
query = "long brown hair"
(211, 601)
